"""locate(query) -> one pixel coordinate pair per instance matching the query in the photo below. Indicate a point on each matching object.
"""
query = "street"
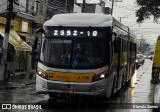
(69, 49)
(140, 91)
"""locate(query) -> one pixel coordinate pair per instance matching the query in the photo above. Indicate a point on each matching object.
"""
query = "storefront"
(21, 48)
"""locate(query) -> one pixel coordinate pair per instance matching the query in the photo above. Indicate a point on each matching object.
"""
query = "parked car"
(139, 60)
(149, 56)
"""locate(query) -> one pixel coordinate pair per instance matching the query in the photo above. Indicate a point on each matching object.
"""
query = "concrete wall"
(89, 8)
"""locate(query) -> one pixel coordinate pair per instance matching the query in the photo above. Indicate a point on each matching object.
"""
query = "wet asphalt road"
(140, 91)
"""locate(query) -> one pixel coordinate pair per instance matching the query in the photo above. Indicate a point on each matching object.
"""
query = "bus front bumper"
(44, 86)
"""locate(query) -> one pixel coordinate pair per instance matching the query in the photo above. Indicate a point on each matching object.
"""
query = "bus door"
(117, 51)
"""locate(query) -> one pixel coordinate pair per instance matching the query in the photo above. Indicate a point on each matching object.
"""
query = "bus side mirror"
(35, 52)
(114, 34)
(40, 30)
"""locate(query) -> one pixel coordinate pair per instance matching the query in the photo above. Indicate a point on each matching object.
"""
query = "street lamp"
(83, 6)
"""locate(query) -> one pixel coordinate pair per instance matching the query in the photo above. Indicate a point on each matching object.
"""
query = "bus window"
(116, 45)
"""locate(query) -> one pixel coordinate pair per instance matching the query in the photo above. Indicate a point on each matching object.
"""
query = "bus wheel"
(51, 102)
(100, 99)
(53, 96)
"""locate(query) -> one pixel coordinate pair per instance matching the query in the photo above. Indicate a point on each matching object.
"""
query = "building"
(59, 7)
(91, 6)
(29, 17)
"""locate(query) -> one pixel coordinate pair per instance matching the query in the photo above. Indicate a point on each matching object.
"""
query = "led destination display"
(77, 32)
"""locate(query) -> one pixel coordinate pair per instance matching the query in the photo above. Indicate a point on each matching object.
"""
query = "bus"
(84, 54)
(155, 76)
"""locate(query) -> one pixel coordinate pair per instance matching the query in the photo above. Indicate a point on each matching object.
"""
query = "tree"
(147, 9)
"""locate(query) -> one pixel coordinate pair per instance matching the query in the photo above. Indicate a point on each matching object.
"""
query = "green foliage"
(148, 8)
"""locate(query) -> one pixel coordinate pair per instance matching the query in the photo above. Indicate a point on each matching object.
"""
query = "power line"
(121, 6)
(121, 18)
(129, 14)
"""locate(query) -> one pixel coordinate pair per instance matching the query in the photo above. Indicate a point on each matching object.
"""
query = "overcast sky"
(126, 9)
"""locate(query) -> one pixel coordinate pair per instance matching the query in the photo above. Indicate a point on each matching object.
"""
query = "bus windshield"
(73, 53)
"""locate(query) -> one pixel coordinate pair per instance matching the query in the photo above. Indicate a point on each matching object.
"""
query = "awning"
(15, 40)
(28, 37)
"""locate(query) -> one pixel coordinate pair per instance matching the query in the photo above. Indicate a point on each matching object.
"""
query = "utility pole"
(9, 17)
(83, 6)
(112, 7)
(66, 6)
(121, 18)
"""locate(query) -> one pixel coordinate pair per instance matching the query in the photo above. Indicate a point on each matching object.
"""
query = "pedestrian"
(9, 66)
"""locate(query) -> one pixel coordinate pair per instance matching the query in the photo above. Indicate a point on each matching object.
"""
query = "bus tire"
(53, 96)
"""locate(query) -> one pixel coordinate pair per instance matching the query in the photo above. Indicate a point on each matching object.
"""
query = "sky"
(126, 9)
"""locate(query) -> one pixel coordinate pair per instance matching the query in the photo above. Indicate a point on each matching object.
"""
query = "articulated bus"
(85, 54)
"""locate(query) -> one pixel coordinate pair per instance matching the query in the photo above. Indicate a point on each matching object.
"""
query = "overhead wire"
(121, 6)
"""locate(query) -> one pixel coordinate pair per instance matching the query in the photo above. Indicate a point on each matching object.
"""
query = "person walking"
(9, 66)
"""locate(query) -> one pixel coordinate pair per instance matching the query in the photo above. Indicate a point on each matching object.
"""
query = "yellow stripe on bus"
(70, 77)
(156, 60)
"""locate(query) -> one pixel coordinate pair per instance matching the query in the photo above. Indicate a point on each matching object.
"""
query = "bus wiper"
(75, 63)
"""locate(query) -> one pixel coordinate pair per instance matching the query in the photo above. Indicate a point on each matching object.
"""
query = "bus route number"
(75, 33)
(83, 77)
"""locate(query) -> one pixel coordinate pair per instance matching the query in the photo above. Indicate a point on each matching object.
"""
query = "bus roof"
(86, 20)
(80, 19)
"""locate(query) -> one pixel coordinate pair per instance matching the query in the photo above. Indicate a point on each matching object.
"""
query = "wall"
(89, 9)
(59, 6)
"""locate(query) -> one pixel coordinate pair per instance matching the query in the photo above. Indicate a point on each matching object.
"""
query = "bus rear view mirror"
(114, 34)
(40, 30)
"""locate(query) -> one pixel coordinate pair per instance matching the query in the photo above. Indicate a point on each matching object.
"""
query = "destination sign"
(76, 32)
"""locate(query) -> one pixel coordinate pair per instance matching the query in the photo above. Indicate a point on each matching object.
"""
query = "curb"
(30, 83)
(14, 87)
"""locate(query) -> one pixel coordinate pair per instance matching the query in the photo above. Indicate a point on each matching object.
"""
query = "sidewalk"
(19, 79)
(143, 92)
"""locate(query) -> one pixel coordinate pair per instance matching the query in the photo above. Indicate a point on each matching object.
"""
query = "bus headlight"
(42, 73)
(100, 76)
(155, 70)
